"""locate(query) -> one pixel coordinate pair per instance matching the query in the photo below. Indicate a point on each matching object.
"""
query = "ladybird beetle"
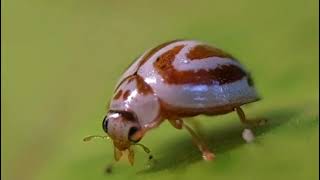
(176, 80)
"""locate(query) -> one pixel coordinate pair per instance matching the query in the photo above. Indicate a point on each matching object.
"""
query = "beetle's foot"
(208, 156)
(248, 135)
(206, 153)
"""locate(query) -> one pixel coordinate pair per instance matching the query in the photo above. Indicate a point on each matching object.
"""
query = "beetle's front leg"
(206, 153)
(250, 122)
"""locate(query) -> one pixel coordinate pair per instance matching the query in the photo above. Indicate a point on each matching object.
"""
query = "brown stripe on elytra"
(142, 86)
(126, 94)
(118, 95)
(204, 51)
(164, 62)
(222, 74)
(129, 78)
(153, 51)
(145, 59)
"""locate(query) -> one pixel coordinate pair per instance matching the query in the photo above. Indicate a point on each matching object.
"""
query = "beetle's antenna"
(89, 138)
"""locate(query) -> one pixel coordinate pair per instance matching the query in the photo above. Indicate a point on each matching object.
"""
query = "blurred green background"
(62, 58)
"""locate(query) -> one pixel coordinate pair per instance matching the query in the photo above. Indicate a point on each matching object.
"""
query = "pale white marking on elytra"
(197, 88)
(114, 115)
(149, 80)
(206, 63)
(195, 96)
(131, 96)
(183, 63)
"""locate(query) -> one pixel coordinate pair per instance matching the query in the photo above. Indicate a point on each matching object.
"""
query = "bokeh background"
(61, 59)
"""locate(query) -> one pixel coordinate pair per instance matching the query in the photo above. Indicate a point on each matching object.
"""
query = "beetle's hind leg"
(249, 122)
(206, 153)
(197, 126)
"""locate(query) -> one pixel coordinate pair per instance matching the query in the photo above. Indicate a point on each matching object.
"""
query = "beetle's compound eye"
(132, 131)
(105, 124)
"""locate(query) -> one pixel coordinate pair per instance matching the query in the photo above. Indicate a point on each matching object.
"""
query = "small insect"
(173, 81)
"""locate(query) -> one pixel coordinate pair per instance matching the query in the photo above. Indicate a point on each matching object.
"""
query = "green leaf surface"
(61, 60)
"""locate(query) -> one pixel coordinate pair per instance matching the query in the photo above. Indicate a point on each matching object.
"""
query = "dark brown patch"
(222, 74)
(153, 51)
(204, 51)
(126, 94)
(171, 112)
(118, 95)
(164, 62)
(142, 86)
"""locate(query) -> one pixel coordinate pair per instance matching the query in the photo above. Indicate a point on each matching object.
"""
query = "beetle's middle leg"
(206, 153)
(250, 122)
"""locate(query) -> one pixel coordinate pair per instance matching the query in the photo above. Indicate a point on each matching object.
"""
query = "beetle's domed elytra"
(192, 75)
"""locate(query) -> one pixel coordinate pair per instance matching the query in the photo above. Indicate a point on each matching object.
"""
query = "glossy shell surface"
(182, 78)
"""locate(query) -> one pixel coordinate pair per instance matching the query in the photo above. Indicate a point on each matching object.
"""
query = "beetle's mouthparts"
(89, 138)
(147, 150)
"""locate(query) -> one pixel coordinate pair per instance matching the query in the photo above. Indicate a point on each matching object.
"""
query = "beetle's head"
(124, 130)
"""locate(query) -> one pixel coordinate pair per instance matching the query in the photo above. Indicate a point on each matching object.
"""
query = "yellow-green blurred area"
(62, 58)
